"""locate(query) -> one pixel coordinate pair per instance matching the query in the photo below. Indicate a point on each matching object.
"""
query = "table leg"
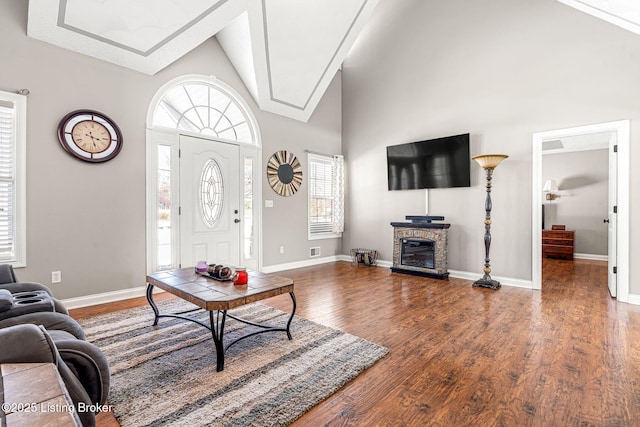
(153, 305)
(217, 330)
(216, 325)
(293, 311)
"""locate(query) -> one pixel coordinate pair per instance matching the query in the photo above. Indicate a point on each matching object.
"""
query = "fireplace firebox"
(417, 253)
(420, 247)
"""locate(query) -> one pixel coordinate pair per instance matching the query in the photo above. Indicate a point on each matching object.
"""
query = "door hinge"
(179, 153)
(615, 209)
(615, 270)
(615, 148)
(179, 210)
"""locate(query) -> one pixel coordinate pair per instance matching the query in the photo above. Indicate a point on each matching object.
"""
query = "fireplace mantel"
(419, 225)
(421, 228)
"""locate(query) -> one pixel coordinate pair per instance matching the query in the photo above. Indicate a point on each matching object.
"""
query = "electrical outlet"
(281, 249)
(56, 277)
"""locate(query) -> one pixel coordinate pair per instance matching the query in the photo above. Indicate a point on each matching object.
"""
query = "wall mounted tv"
(434, 163)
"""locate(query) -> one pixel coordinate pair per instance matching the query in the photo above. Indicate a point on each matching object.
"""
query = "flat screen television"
(434, 163)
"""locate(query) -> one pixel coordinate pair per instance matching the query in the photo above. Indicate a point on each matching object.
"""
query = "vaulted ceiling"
(286, 51)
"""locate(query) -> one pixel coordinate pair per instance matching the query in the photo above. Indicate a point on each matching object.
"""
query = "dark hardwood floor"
(464, 356)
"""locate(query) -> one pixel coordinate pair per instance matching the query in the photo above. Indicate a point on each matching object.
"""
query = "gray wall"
(501, 70)
(89, 220)
(583, 182)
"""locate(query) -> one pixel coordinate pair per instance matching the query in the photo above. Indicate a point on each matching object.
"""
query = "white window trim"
(20, 201)
(316, 236)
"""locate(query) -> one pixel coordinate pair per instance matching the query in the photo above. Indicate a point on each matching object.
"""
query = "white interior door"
(612, 218)
(209, 202)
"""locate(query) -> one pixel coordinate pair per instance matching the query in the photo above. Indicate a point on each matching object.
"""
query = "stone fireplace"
(420, 247)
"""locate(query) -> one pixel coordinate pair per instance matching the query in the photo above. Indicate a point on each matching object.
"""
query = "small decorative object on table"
(217, 271)
(241, 277)
(364, 256)
(201, 266)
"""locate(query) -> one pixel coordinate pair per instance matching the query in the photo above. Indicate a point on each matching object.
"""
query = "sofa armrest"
(19, 287)
(89, 365)
(50, 320)
(26, 343)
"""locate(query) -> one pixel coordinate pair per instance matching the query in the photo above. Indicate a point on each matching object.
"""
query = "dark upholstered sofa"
(28, 335)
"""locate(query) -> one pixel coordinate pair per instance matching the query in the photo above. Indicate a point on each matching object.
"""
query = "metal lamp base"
(487, 282)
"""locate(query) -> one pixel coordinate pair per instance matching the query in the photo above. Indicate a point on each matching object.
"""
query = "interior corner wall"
(583, 182)
(88, 220)
(500, 70)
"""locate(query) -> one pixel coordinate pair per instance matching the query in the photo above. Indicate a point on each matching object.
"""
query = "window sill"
(321, 236)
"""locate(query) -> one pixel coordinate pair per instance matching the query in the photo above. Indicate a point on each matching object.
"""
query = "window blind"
(320, 194)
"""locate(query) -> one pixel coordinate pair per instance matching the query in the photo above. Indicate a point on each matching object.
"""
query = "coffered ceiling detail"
(286, 51)
(143, 35)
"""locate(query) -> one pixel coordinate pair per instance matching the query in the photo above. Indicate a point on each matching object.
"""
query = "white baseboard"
(141, 291)
(300, 264)
(103, 298)
(591, 257)
(316, 261)
(634, 299)
(504, 281)
(106, 297)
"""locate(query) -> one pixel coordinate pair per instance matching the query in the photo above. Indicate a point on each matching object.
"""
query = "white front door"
(612, 218)
(209, 202)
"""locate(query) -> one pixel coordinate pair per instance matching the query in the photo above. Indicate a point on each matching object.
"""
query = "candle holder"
(489, 162)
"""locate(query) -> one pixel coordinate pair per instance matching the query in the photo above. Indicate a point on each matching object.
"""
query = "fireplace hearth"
(420, 247)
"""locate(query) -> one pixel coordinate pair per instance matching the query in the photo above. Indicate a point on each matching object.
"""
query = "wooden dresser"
(557, 243)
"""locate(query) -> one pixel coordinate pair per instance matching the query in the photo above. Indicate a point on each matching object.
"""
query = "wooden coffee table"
(217, 297)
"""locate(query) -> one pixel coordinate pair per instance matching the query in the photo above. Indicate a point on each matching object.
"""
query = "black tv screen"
(435, 163)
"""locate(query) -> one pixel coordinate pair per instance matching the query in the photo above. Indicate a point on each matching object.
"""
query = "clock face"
(90, 136)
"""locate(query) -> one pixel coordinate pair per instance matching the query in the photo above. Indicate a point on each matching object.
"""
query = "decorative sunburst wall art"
(284, 173)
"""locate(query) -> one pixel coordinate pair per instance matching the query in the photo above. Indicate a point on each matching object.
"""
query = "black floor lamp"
(489, 162)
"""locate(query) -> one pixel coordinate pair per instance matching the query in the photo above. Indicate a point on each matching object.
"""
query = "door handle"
(236, 220)
(605, 220)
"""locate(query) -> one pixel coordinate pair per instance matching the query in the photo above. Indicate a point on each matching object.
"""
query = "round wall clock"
(284, 173)
(90, 136)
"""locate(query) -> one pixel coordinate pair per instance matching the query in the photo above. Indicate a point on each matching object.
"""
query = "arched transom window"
(202, 108)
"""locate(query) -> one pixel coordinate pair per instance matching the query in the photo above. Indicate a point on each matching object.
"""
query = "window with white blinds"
(12, 185)
(325, 208)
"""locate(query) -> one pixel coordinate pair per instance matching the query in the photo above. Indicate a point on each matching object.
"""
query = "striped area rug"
(166, 375)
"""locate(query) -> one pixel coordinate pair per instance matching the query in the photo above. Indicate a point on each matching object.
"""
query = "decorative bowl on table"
(220, 272)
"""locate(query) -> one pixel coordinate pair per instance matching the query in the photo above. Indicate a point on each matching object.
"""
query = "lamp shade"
(550, 186)
(489, 161)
